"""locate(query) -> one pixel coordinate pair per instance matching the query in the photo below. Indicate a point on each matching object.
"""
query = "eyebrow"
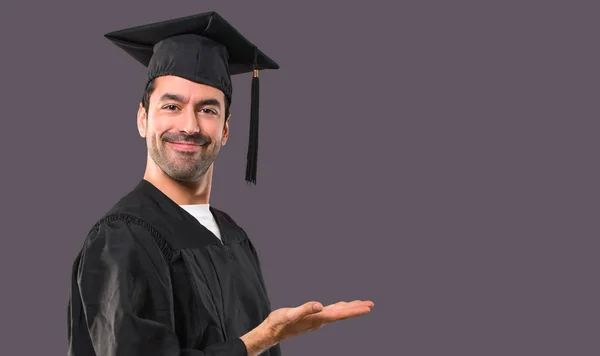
(180, 99)
(173, 97)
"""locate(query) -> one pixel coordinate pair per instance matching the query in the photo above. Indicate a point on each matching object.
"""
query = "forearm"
(259, 339)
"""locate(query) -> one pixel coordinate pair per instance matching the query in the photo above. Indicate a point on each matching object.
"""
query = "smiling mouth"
(185, 146)
(184, 143)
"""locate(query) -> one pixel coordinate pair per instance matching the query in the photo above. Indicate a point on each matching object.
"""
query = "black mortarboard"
(203, 48)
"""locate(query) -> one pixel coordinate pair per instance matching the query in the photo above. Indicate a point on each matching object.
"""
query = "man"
(163, 272)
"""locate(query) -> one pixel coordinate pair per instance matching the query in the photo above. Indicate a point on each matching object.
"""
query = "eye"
(170, 107)
(208, 111)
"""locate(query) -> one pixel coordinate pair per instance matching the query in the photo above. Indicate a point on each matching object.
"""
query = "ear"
(142, 119)
(225, 131)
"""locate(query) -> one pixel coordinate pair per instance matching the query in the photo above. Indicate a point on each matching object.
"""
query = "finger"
(357, 302)
(361, 301)
(366, 303)
(343, 313)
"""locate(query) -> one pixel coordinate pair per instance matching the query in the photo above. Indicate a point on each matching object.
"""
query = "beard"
(183, 165)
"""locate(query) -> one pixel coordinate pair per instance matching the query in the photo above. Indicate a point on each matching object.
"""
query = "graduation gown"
(151, 280)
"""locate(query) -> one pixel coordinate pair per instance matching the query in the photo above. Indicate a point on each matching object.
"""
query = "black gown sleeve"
(120, 303)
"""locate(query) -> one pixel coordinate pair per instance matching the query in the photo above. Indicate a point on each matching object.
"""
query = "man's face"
(184, 127)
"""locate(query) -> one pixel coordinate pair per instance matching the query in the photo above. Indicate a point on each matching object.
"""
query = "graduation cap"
(205, 49)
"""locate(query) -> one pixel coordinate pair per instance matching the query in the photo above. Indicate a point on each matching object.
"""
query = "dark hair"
(150, 88)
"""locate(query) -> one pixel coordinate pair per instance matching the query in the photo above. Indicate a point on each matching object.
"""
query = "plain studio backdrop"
(438, 158)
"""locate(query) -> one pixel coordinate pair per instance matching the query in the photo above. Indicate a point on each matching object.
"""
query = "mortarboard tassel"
(252, 157)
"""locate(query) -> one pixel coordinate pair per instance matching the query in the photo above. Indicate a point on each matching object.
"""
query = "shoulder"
(119, 221)
(117, 228)
(121, 232)
(127, 216)
(119, 246)
(125, 230)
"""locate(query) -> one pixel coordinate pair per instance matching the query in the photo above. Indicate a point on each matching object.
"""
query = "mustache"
(198, 139)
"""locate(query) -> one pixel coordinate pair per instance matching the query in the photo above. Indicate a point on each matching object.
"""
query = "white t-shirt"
(202, 213)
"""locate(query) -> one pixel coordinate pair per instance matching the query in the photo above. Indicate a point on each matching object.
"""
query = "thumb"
(306, 309)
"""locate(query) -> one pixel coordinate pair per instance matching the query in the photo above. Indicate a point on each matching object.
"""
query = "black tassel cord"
(252, 157)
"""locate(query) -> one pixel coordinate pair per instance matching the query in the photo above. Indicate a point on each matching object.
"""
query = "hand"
(288, 322)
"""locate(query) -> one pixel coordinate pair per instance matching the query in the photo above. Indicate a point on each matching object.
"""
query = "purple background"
(438, 158)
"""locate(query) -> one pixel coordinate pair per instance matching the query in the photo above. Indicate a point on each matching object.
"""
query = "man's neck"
(182, 193)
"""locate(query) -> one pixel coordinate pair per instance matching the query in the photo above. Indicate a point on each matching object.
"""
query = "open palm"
(289, 322)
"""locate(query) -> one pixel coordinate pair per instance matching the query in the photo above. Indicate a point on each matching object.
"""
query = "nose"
(190, 123)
